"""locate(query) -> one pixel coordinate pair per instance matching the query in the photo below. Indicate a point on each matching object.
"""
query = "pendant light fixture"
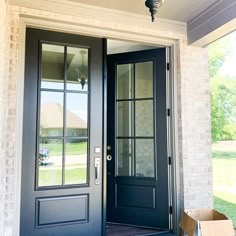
(153, 6)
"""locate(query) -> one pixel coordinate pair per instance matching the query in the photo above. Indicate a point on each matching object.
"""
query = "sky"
(229, 67)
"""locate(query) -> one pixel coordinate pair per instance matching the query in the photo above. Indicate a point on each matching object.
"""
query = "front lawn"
(224, 178)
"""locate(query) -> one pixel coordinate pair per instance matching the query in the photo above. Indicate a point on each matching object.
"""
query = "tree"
(221, 109)
(218, 52)
(223, 98)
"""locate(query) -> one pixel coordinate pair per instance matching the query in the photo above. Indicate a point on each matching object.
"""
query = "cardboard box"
(206, 222)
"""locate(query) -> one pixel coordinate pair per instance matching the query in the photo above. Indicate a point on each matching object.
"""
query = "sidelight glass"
(50, 162)
(144, 80)
(125, 119)
(77, 69)
(76, 161)
(125, 157)
(63, 116)
(77, 115)
(144, 118)
(144, 157)
(52, 68)
(51, 113)
(125, 79)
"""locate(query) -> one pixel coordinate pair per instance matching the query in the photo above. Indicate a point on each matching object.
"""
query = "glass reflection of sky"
(52, 85)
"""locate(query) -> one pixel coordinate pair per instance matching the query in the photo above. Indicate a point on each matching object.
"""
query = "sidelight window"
(63, 116)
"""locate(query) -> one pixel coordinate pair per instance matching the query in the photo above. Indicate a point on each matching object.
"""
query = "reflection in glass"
(125, 157)
(125, 81)
(51, 114)
(77, 69)
(50, 162)
(125, 119)
(76, 115)
(144, 80)
(144, 157)
(144, 118)
(76, 161)
(52, 66)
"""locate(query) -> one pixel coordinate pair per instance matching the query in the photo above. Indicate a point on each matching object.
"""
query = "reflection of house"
(52, 121)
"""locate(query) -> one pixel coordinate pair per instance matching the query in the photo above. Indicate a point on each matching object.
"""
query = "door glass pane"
(52, 66)
(125, 81)
(144, 157)
(144, 118)
(76, 161)
(77, 69)
(51, 114)
(76, 115)
(125, 119)
(125, 157)
(144, 80)
(50, 162)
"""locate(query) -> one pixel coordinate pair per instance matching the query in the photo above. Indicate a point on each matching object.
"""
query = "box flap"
(187, 224)
(201, 214)
(217, 228)
(219, 216)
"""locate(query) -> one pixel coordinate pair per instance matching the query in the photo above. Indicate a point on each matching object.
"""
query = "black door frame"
(104, 169)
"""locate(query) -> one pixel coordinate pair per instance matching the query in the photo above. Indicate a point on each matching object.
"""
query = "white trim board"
(108, 18)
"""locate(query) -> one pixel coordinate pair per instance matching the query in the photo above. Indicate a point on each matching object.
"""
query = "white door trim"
(67, 27)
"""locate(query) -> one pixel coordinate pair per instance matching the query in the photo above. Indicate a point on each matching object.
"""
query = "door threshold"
(114, 229)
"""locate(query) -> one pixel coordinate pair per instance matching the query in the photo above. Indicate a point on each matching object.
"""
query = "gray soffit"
(181, 10)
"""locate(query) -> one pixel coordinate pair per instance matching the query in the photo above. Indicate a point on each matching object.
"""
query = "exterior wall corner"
(194, 128)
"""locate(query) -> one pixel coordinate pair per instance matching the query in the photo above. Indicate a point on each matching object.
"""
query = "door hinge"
(168, 112)
(168, 66)
(170, 162)
(171, 209)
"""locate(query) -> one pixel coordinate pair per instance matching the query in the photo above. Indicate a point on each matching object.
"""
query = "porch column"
(194, 126)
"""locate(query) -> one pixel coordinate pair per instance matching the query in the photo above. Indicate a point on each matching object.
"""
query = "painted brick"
(194, 126)
(3, 113)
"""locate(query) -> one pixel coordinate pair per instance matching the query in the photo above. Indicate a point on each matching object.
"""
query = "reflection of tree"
(43, 132)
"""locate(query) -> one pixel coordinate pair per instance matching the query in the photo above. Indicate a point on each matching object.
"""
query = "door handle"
(97, 164)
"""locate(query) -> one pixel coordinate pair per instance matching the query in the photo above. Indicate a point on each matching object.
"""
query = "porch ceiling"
(181, 10)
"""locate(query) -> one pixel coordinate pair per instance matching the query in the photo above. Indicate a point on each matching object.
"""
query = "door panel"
(63, 103)
(137, 173)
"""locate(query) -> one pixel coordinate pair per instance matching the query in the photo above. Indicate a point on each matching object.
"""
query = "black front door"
(137, 162)
(62, 135)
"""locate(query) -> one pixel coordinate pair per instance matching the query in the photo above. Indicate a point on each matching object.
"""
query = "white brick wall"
(194, 127)
(193, 121)
(3, 114)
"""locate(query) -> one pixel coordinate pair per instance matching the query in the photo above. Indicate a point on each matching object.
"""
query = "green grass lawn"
(49, 176)
(224, 177)
(55, 149)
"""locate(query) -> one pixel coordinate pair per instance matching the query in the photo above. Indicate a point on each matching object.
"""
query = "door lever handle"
(97, 165)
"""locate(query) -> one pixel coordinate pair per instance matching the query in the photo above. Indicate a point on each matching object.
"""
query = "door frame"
(175, 180)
